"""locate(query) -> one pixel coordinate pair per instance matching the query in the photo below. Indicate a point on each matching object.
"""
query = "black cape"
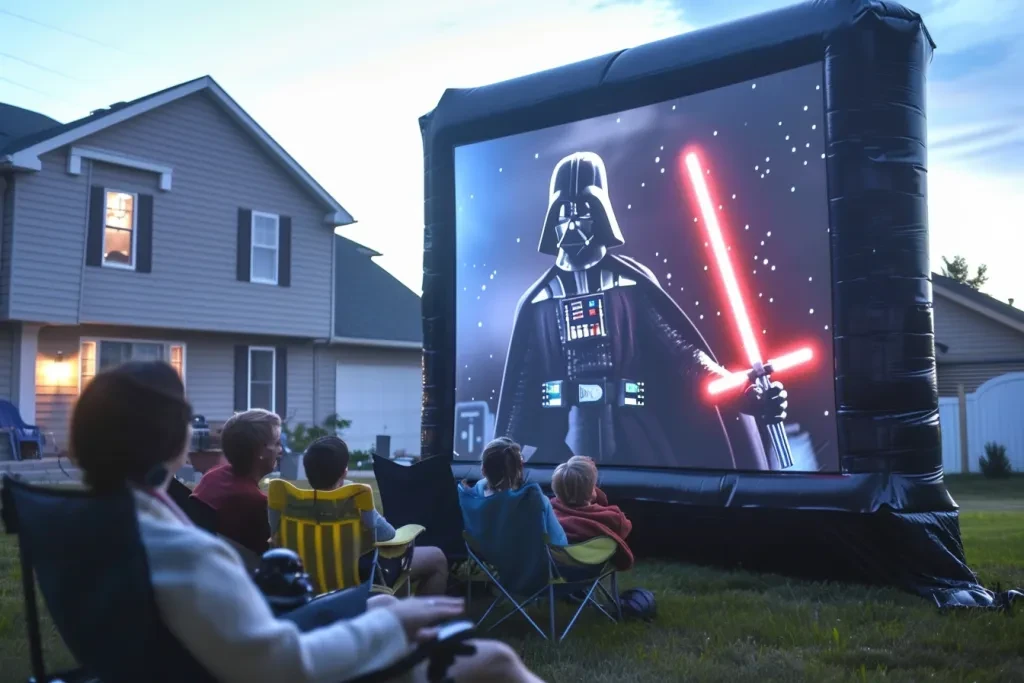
(652, 341)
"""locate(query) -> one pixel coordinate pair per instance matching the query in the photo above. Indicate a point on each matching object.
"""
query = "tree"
(961, 272)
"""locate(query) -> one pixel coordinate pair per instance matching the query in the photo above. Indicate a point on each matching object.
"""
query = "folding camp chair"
(326, 529)
(423, 493)
(506, 542)
(85, 552)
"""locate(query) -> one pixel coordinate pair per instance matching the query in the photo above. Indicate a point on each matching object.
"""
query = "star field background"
(763, 143)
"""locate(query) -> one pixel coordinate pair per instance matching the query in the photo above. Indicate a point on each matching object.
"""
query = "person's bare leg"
(494, 662)
(378, 601)
(430, 567)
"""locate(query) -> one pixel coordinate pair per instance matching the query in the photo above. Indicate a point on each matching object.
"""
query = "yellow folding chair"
(326, 530)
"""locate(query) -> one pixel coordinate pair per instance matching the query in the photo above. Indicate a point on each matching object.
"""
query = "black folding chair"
(86, 553)
(423, 493)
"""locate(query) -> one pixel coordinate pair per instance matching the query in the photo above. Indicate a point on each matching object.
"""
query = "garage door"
(381, 399)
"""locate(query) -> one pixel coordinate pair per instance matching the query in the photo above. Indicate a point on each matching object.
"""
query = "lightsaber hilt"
(760, 375)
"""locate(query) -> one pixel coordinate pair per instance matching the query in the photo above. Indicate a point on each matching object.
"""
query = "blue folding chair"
(18, 431)
(86, 553)
(508, 546)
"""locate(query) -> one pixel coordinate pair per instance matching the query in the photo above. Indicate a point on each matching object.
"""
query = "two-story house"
(169, 227)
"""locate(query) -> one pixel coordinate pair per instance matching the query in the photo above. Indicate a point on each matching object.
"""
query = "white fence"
(995, 412)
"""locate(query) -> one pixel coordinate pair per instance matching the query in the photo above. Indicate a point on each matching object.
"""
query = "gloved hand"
(766, 405)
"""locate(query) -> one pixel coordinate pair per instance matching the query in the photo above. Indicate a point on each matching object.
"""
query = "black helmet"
(283, 580)
(578, 198)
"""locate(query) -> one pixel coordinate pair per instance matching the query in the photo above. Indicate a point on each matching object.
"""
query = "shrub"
(995, 464)
(361, 460)
(300, 436)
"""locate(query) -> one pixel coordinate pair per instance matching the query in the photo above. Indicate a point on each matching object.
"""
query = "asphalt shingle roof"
(369, 302)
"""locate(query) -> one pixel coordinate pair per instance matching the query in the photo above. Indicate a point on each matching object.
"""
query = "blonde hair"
(574, 481)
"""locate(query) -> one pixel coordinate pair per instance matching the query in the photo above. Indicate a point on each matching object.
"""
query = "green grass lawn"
(738, 626)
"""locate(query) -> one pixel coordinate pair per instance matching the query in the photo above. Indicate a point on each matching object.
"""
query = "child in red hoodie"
(583, 509)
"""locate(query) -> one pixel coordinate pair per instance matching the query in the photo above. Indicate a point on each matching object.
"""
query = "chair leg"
(615, 595)
(551, 611)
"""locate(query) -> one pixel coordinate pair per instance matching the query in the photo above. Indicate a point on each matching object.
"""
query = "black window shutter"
(241, 378)
(244, 244)
(144, 235)
(281, 382)
(94, 241)
(284, 252)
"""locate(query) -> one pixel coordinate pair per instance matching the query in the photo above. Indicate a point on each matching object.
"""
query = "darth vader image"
(602, 362)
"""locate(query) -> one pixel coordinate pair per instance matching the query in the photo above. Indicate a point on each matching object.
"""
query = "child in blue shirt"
(502, 468)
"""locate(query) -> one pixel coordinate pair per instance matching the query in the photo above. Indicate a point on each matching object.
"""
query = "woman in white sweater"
(203, 591)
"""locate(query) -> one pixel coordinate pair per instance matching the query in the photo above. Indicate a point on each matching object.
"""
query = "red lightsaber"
(760, 372)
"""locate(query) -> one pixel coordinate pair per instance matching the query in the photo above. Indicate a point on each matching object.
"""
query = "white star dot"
(814, 126)
(718, 313)
(755, 257)
(696, 303)
(765, 262)
(746, 227)
(500, 170)
(764, 331)
(492, 355)
(664, 260)
(662, 148)
(694, 219)
(756, 168)
(480, 324)
(483, 288)
(771, 299)
(536, 156)
(826, 413)
(793, 150)
(492, 276)
(518, 240)
(805, 107)
(822, 156)
(787, 137)
(769, 233)
(755, 271)
(773, 267)
(762, 243)
(760, 295)
(826, 327)
(705, 267)
(734, 196)
(762, 175)
(792, 189)
(780, 123)
(753, 86)
(630, 206)
(662, 170)
(701, 316)
(810, 279)
(767, 158)
(673, 107)
(643, 184)
(812, 311)
(719, 207)
(817, 87)
(807, 144)
(618, 120)
(716, 132)
(767, 170)
(669, 277)
(657, 253)
(805, 163)
(657, 160)
(470, 196)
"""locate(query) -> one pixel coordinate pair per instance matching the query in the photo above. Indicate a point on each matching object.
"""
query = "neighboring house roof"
(979, 302)
(33, 139)
(371, 307)
(16, 122)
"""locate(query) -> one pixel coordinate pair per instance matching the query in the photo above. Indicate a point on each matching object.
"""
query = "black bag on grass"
(638, 603)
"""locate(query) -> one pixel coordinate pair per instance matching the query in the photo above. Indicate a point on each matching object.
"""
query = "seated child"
(502, 468)
(326, 464)
(583, 509)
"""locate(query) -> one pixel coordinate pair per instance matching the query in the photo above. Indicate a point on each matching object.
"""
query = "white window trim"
(76, 154)
(125, 340)
(253, 245)
(273, 377)
(135, 229)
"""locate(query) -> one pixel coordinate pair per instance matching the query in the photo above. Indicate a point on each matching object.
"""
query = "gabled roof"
(982, 303)
(22, 153)
(371, 307)
(16, 123)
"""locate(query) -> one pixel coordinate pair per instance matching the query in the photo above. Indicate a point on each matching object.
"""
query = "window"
(265, 248)
(262, 377)
(97, 355)
(119, 212)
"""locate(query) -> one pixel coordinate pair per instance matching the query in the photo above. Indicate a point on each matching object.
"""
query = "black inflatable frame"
(888, 518)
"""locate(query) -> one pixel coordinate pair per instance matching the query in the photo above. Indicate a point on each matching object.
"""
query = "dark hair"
(325, 462)
(244, 437)
(502, 464)
(128, 422)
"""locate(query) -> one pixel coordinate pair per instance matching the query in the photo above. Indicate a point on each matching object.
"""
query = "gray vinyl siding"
(6, 232)
(209, 372)
(7, 346)
(979, 348)
(217, 169)
(325, 382)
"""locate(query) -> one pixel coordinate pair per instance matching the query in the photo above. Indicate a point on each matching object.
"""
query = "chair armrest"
(593, 552)
(441, 651)
(403, 536)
